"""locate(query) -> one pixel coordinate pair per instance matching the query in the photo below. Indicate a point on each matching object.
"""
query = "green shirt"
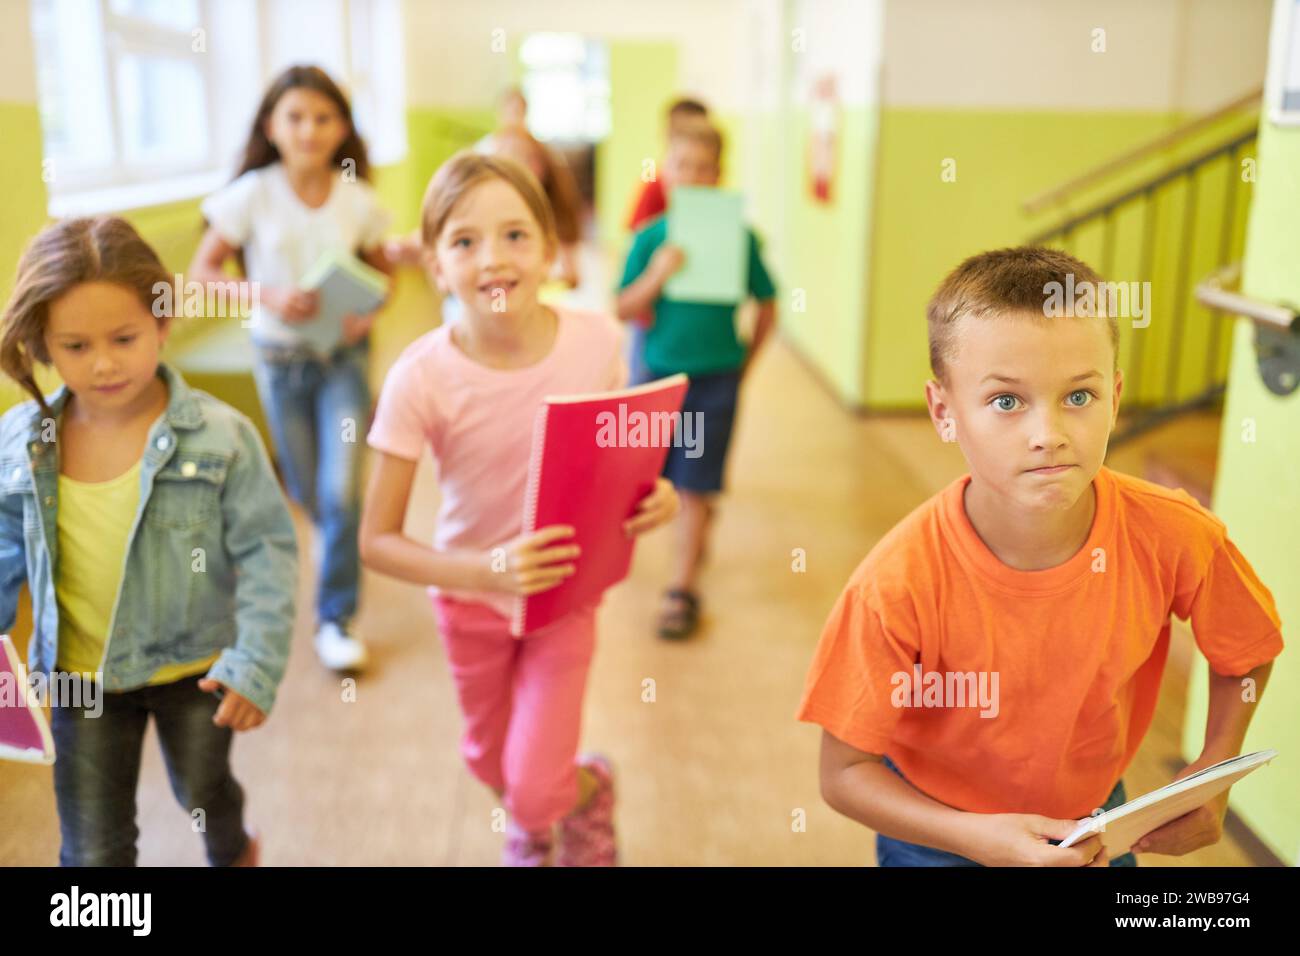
(693, 337)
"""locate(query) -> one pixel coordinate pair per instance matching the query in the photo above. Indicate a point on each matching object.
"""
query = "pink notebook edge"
(25, 755)
(519, 609)
(658, 385)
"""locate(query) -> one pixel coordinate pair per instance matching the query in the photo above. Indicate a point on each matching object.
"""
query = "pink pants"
(522, 701)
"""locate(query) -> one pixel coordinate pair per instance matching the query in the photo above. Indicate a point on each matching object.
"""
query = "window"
(149, 101)
(566, 83)
(1285, 57)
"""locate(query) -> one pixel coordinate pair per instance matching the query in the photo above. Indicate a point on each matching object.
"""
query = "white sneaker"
(339, 650)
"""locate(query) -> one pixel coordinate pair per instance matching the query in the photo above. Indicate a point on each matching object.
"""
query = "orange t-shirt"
(1078, 649)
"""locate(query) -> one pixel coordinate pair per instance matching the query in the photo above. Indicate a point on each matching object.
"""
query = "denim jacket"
(211, 561)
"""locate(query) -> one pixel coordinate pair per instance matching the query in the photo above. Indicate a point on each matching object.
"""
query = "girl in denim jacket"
(154, 539)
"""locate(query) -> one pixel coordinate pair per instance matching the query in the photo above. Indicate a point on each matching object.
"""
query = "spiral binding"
(517, 618)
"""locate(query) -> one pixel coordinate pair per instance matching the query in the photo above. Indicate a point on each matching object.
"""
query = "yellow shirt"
(94, 523)
(553, 291)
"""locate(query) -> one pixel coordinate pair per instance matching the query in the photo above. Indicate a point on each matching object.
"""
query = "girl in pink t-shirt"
(470, 391)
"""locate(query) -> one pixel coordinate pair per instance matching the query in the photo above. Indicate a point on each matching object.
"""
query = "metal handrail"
(1184, 181)
(1066, 226)
(1055, 195)
(1211, 292)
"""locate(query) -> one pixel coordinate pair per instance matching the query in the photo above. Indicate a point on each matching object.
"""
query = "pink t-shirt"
(478, 422)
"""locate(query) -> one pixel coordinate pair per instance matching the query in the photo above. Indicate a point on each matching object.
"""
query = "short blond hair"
(1014, 280)
(699, 131)
(467, 169)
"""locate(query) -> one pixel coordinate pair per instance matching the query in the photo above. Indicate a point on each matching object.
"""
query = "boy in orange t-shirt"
(993, 664)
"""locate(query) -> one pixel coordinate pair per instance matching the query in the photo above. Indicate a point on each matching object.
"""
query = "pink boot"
(526, 849)
(587, 834)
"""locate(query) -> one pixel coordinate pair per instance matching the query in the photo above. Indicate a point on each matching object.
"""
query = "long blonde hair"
(62, 256)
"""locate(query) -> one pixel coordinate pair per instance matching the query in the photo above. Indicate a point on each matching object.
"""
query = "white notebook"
(24, 732)
(1125, 825)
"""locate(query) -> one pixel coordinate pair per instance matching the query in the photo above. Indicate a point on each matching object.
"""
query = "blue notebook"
(346, 285)
(708, 225)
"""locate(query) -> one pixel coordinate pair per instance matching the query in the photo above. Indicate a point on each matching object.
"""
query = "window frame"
(121, 185)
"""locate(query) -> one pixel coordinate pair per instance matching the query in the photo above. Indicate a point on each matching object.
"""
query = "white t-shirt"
(283, 238)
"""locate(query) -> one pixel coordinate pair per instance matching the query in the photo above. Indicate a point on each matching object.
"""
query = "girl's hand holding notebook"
(292, 305)
(655, 509)
(357, 327)
(535, 562)
(595, 466)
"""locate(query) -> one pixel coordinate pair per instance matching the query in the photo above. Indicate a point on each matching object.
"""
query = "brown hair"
(1001, 281)
(699, 131)
(686, 108)
(259, 151)
(64, 255)
(557, 179)
(467, 169)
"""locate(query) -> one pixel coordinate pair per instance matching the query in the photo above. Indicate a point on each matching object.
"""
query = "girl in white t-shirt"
(301, 192)
(470, 392)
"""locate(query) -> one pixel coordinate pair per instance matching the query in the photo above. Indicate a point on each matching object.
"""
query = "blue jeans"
(318, 411)
(97, 768)
(638, 372)
(891, 852)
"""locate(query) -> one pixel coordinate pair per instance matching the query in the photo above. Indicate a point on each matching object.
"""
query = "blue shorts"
(891, 852)
(698, 454)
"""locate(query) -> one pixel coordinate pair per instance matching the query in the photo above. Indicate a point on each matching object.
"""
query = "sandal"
(682, 617)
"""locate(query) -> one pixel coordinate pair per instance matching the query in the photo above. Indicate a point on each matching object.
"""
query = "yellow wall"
(928, 224)
(1257, 493)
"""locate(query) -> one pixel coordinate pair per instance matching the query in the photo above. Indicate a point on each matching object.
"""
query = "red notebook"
(594, 458)
(24, 733)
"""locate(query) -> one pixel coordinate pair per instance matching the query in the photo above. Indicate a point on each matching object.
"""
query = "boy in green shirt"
(700, 340)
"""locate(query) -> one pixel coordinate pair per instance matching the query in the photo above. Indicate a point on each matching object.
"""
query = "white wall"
(1183, 55)
(833, 36)
(451, 63)
(17, 56)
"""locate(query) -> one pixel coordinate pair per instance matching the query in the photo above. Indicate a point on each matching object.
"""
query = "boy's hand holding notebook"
(1122, 827)
(346, 286)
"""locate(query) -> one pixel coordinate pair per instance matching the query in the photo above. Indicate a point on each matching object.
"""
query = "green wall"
(174, 229)
(24, 203)
(642, 82)
(822, 273)
(432, 136)
(1257, 493)
(927, 226)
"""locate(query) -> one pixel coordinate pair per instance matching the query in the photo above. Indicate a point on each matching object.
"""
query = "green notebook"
(708, 225)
